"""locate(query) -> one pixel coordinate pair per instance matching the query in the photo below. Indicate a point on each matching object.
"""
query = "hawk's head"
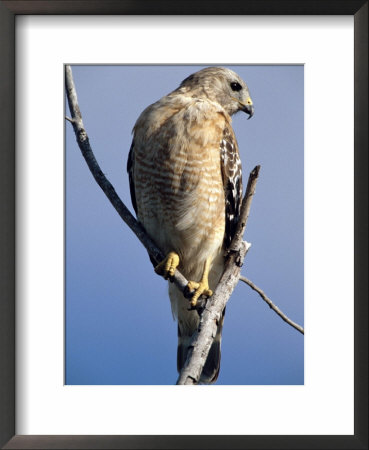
(220, 85)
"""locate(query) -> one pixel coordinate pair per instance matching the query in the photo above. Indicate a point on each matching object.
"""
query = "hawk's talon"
(168, 266)
(201, 288)
(200, 305)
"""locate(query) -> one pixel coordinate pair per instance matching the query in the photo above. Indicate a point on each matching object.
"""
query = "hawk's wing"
(232, 182)
(130, 169)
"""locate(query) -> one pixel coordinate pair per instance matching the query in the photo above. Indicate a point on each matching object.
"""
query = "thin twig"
(203, 338)
(272, 305)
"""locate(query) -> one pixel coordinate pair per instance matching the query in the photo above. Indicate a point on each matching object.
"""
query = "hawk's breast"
(178, 180)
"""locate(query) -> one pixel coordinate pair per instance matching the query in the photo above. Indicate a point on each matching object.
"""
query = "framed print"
(79, 401)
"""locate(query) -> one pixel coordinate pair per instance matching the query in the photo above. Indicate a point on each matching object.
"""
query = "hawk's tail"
(211, 368)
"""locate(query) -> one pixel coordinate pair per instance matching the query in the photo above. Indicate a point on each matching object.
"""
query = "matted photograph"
(184, 200)
(209, 162)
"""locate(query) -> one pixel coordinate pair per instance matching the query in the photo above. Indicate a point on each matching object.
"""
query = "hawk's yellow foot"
(201, 288)
(168, 266)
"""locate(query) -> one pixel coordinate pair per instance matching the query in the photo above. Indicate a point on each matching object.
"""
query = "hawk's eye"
(236, 86)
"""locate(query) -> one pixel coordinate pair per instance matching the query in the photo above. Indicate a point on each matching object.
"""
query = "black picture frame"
(8, 12)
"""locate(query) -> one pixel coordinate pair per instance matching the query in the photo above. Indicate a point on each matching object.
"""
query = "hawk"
(186, 188)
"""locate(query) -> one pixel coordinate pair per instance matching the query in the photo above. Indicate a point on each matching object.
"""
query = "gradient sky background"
(119, 326)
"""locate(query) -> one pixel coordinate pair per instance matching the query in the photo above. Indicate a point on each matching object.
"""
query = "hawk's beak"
(248, 107)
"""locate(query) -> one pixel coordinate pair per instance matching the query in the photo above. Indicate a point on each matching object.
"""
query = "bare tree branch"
(203, 338)
(272, 305)
(84, 145)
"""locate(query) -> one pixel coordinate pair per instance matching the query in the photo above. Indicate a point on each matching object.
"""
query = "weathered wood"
(272, 306)
(204, 336)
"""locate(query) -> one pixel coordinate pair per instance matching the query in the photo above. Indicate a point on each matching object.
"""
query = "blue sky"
(119, 326)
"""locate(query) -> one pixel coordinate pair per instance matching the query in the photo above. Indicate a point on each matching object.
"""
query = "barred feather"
(232, 182)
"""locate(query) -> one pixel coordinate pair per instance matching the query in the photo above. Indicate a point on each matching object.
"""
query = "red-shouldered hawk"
(186, 188)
